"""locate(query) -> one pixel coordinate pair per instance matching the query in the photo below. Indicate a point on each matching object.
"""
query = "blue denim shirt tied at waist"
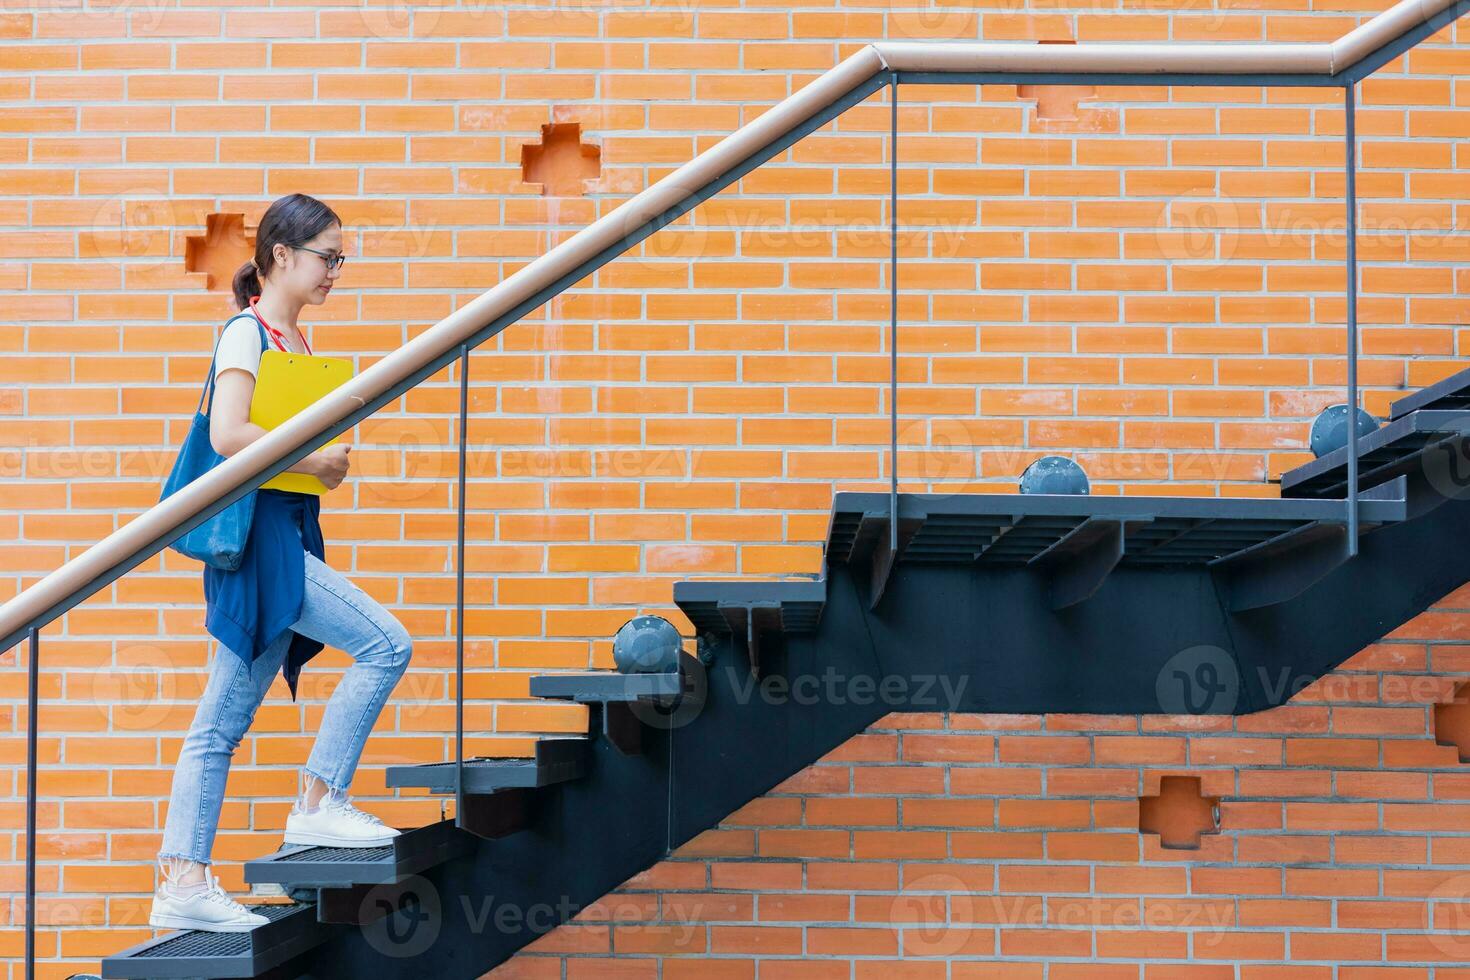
(248, 608)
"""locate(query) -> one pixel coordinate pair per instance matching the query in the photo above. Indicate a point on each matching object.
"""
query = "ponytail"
(247, 284)
(291, 220)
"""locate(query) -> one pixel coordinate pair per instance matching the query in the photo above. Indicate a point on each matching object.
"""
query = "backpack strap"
(209, 381)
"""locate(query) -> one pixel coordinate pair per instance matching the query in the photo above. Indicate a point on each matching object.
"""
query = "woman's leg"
(231, 696)
(339, 614)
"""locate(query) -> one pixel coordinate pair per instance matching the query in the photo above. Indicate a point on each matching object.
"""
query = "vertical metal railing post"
(1351, 195)
(32, 692)
(893, 316)
(464, 418)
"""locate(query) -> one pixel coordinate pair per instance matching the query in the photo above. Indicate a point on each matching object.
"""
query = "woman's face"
(304, 275)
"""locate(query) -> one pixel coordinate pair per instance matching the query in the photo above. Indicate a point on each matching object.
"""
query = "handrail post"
(32, 692)
(1351, 195)
(893, 315)
(464, 415)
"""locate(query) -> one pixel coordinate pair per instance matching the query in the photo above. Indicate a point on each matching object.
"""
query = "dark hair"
(292, 220)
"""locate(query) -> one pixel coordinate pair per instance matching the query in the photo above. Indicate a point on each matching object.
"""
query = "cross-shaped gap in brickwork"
(220, 250)
(1452, 722)
(1056, 102)
(561, 163)
(1180, 813)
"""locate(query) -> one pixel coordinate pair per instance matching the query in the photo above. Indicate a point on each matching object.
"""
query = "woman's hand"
(230, 429)
(331, 464)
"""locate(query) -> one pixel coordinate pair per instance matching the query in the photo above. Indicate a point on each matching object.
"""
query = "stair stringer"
(1399, 572)
(591, 835)
(987, 632)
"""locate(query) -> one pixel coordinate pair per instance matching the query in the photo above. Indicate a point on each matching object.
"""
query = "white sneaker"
(336, 823)
(209, 910)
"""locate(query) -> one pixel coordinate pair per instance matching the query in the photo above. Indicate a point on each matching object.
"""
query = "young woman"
(283, 603)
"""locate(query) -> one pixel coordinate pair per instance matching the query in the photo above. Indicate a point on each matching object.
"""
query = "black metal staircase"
(991, 602)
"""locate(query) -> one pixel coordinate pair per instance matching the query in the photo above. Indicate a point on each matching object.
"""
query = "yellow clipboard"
(285, 383)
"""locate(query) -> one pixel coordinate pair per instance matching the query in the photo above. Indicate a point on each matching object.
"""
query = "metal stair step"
(293, 929)
(607, 686)
(1078, 540)
(1393, 450)
(620, 705)
(1448, 394)
(557, 760)
(1019, 528)
(747, 609)
(791, 606)
(340, 867)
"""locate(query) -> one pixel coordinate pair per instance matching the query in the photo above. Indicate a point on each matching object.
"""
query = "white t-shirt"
(239, 346)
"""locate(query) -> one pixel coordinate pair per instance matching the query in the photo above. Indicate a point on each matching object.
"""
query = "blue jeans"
(337, 613)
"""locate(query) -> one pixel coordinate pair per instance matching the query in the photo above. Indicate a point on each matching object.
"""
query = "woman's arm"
(230, 429)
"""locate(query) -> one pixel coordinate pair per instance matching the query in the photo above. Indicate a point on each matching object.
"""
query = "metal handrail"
(873, 66)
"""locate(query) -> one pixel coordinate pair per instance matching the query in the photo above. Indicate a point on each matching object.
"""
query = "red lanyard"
(276, 335)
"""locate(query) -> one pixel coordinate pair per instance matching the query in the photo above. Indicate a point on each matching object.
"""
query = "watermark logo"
(1449, 918)
(907, 692)
(408, 917)
(935, 910)
(140, 693)
(1198, 680)
(1446, 464)
(695, 678)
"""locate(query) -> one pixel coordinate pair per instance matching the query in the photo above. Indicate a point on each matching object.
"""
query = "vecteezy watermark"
(1207, 680)
(489, 19)
(1448, 909)
(1198, 680)
(938, 692)
(1208, 231)
(934, 692)
(137, 694)
(939, 914)
(1446, 463)
(409, 916)
(695, 679)
(936, 914)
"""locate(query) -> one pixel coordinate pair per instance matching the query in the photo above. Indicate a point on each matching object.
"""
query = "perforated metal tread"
(1397, 448)
(1020, 528)
(792, 606)
(556, 760)
(292, 930)
(339, 867)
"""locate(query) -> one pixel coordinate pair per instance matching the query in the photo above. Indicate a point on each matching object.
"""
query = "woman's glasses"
(334, 260)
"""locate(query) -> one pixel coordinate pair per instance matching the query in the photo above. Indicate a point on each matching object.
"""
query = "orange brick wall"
(1153, 286)
(966, 846)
